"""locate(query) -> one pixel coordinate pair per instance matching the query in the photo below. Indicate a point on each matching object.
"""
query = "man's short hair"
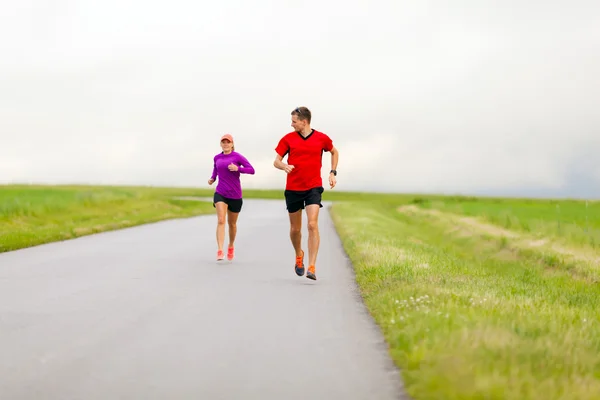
(303, 113)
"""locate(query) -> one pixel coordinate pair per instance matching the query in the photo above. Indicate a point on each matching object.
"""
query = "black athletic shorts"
(235, 205)
(296, 200)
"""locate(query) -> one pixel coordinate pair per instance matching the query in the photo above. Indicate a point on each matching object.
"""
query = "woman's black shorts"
(235, 205)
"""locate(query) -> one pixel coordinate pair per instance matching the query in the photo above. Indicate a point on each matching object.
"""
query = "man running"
(304, 148)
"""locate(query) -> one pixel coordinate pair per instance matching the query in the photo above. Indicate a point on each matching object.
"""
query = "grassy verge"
(573, 222)
(581, 261)
(33, 215)
(466, 313)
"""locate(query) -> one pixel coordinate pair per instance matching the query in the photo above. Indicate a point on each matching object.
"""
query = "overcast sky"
(474, 97)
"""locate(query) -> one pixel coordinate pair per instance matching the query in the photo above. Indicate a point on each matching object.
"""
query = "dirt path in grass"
(470, 226)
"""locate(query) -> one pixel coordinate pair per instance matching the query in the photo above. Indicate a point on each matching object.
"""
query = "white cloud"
(470, 97)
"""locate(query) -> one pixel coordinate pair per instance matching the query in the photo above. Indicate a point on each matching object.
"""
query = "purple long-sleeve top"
(229, 184)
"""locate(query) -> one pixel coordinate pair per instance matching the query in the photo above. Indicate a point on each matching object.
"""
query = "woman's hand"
(211, 181)
(233, 167)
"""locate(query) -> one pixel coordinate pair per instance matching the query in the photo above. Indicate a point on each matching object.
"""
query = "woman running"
(228, 165)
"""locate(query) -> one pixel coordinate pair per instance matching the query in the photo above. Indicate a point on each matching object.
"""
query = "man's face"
(298, 124)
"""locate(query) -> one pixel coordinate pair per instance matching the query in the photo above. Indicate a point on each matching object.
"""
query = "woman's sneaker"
(230, 253)
(220, 255)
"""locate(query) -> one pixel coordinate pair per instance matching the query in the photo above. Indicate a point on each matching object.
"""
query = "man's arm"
(335, 154)
(279, 164)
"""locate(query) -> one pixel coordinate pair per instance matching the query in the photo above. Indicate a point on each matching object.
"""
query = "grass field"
(474, 310)
(571, 222)
(478, 298)
(33, 215)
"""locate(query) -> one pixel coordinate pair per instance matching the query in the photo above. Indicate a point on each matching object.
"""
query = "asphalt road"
(148, 313)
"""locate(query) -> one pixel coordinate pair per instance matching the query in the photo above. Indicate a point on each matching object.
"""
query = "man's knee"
(313, 226)
(295, 229)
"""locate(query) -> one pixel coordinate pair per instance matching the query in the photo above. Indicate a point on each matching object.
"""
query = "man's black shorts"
(296, 200)
(235, 205)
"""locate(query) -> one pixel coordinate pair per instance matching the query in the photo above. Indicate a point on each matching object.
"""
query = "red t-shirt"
(306, 155)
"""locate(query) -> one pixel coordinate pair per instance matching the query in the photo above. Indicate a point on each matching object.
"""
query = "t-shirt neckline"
(307, 136)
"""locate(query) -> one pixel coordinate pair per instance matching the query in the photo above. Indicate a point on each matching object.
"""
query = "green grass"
(573, 221)
(473, 315)
(33, 215)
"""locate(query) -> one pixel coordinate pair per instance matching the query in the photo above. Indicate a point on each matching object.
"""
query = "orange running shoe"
(299, 265)
(230, 253)
(311, 273)
(220, 255)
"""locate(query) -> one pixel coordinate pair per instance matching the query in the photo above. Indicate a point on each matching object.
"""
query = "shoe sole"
(311, 276)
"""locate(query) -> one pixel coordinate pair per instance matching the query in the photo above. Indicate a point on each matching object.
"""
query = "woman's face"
(226, 145)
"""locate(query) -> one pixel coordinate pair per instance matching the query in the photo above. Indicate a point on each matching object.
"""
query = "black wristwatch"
(334, 172)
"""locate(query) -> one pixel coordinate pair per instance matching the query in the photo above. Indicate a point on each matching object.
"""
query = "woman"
(228, 165)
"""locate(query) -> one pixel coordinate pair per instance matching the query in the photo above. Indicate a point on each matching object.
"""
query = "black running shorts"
(296, 200)
(234, 205)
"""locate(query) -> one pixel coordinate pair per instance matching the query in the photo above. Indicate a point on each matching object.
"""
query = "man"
(304, 148)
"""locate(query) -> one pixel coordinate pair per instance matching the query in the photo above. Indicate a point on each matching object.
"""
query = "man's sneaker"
(311, 273)
(230, 253)
(220, 255)
(299, 265)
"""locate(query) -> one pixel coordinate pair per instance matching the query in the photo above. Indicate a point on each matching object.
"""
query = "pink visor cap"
(228, 137)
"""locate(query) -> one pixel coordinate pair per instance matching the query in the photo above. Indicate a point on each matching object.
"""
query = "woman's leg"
(232, 218)
(221, 214)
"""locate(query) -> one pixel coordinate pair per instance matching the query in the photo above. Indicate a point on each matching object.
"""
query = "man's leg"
(294, 204)
(314, 239)
(296, 238)
(313, 206)
(296, 231)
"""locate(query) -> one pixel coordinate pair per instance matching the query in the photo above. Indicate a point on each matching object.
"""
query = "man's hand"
(288, 168)
(211, 181)
(232, 167)
(332, 180)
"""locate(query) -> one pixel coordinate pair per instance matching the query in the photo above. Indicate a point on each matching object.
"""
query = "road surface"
(148, 313)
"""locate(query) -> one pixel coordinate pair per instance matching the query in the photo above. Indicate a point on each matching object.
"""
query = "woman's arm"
(245, 167)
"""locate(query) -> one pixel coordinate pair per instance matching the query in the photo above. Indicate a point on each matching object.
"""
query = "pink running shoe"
(220, 255)
(230, 253)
